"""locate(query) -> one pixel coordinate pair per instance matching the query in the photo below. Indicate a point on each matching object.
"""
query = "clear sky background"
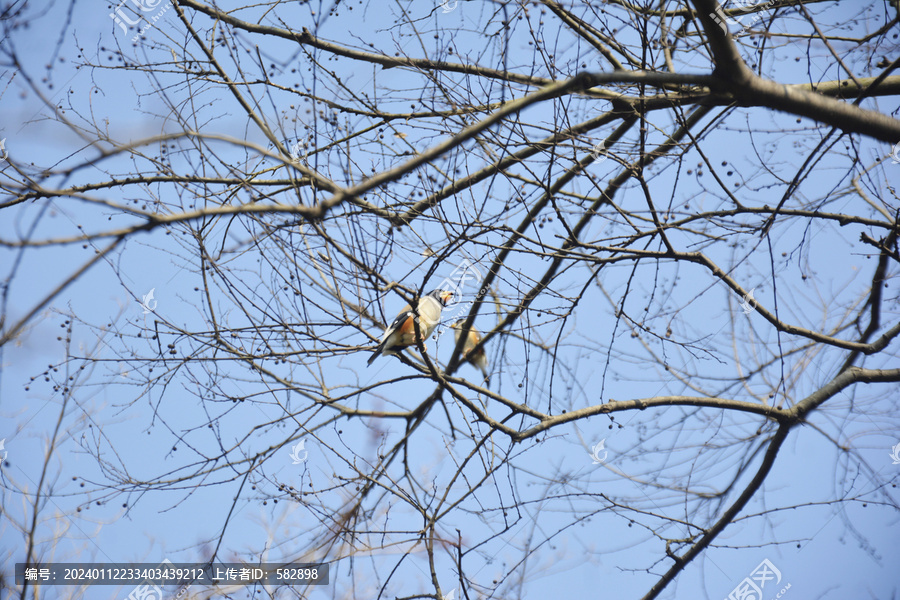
(822, 548)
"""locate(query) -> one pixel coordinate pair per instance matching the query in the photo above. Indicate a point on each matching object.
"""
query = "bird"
(477, 358)
(402, 332)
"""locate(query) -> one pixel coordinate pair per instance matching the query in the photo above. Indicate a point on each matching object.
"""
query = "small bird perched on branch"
(477, 358)
(402, 332)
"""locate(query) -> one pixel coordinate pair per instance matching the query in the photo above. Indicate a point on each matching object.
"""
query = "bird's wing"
(397, 322)
(403, 324)
(474, 338)
(396, 328)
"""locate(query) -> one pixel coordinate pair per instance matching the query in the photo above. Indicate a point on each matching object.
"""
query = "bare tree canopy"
(669, 365)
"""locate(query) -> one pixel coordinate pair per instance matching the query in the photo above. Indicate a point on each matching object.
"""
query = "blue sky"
(822, 548)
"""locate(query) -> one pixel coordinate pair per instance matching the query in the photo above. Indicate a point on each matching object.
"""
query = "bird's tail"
(487, 376)
(375, 354)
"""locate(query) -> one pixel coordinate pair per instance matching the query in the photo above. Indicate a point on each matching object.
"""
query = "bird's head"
(442, 296)
(459, 326)
(474, 335)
